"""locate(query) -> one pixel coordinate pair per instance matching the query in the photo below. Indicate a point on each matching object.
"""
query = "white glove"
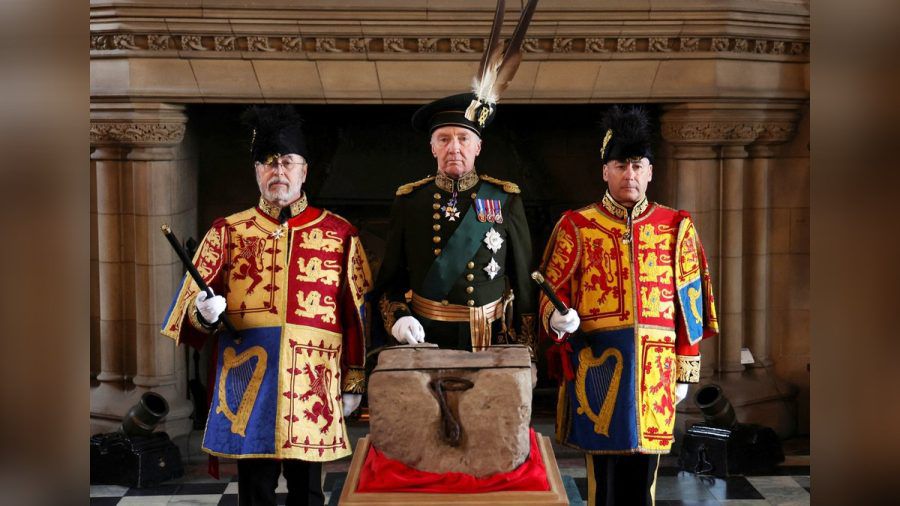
(210, 309)
(351, 402)
(564, 323)
(408, 330)
(681, 391)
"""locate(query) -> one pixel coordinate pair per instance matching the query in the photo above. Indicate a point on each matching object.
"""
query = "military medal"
(498, 217)
(450, 210)
(479, 210)
(492, 240)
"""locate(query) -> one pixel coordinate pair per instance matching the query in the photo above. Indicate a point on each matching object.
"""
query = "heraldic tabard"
(296, 293)
(641, 286)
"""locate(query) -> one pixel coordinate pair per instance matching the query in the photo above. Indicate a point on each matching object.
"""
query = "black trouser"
(621, 480)
(453, 335)
(258, 479)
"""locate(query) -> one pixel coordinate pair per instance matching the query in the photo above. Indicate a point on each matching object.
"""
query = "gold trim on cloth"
(620, 211)
(388, 308)
(193, 317)
(354, 381)
(687, 369)
(270, 209)
(466, 181)
(480, 318)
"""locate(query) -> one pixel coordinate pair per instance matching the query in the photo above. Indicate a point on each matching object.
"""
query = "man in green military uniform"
(459, 242)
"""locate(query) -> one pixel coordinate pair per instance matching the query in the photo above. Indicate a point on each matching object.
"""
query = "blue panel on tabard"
(693, 310)
(622, 431)
(258, 437)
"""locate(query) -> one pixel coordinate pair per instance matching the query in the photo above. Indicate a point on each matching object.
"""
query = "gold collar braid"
(297, 207)
(620, 211)
(465, 182)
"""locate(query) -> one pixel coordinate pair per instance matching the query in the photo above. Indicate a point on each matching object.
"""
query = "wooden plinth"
(556, 496)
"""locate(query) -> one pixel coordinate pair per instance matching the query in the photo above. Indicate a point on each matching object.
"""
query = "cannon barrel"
(144, 416)
(717, 411)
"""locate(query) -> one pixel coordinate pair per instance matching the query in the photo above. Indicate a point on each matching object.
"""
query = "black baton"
(548, 291)
(192, 270)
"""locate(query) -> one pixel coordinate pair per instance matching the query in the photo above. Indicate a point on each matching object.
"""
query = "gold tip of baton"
(165, 228)
(537, 277)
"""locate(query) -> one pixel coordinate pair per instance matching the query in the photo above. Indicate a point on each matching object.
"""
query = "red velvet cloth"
(382, 474)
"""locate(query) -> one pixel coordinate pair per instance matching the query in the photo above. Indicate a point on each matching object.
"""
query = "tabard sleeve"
(356, 322)
(393, 278)
(560, 260)
(182, 323)
(519, 268)
(696, 310)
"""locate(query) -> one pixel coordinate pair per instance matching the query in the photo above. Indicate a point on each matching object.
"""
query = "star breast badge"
(492, 269)
(492, 240)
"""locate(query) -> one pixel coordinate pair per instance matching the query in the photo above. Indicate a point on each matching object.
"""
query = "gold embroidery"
(653, 305)
(323, 241)
(270, 209)
(508, 187)
(620, 211)
(248, 397)
(313, 305)
(687, 369)
(354, 381)
(315, 270)
(586, 361)
(409, 187)
(388, 308)
(465, 182)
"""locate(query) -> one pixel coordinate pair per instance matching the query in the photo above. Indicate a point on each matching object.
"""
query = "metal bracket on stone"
(451, 430)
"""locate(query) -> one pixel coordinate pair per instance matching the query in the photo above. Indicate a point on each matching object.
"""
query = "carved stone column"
(141, 182)
(729, 130)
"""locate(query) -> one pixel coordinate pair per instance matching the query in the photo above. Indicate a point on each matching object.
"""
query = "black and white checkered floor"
(788, 486)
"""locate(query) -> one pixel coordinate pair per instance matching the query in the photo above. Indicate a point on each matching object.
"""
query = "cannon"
(721, 446)
(135, 455)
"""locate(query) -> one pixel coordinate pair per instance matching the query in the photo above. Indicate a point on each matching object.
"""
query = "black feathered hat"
(277, 131)
(626, 134)
(451, 111)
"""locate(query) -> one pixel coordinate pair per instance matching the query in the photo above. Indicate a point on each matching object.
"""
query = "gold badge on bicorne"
(601, 377)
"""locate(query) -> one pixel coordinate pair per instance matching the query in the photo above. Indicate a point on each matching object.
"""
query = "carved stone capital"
(146, 125)
(728, 124)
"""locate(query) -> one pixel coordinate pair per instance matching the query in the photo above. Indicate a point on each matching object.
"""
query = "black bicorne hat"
(626, 134)
(451, 111)
(277, 131)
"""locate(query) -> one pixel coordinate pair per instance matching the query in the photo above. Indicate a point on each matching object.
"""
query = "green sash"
(461, 247)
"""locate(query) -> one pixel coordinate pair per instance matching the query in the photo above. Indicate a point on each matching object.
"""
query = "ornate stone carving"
(626, 44)
(717, 132)
(326, 45)
(690, 44)
(292, 44)
(428, 45)
(595, 46)
(359, 44)
(720, 44)
(257, 43)
(192, 42)
(137, 133)
(158, 42)
(224, 43)
(461, 46)
(562, 45)
(123, 41)
(395, 45)
(659, 44)
(532, 45)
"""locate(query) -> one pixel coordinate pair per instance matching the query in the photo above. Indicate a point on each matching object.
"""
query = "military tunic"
(421, 229)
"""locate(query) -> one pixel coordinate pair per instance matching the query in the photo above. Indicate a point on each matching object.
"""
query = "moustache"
(278, 181)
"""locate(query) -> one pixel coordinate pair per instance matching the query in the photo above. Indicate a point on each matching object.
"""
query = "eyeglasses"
(287, 162)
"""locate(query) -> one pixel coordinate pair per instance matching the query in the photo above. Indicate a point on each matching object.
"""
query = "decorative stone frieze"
(110, 42)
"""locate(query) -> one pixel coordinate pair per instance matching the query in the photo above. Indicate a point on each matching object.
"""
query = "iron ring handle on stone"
(452, 432)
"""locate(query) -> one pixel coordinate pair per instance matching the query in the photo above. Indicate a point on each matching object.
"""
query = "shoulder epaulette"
(508, 187)
(409, 187)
